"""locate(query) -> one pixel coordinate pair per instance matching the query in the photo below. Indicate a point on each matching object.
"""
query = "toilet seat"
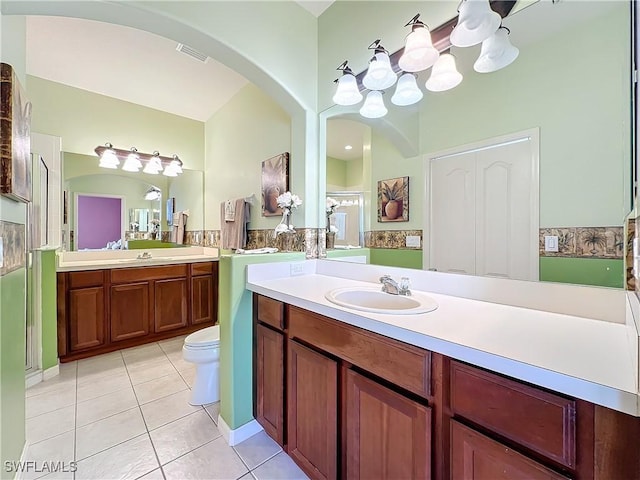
(205, 338)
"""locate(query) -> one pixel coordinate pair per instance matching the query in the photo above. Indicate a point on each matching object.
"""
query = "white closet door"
(503, 205)
(452, 232)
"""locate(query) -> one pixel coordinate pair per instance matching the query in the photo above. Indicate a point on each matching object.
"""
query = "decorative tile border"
(14, 246)
(585, 242)
(629, 236)
(393, 239)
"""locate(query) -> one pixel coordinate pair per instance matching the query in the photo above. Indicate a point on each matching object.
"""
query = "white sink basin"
(374, 300)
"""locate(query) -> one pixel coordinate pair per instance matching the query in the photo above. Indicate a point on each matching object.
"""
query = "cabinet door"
(202, 301)
(312, 411)
(86, 318)
(388, 436)
(270, 382)
(476, 457)
(170, 301)
(129, 311)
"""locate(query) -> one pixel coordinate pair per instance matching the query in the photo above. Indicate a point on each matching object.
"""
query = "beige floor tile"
(160, 387)
(172, 345)
(106, 433)
(181, 364)
(215, 460)
(100, 364)
(97, 375)
(50, 424)
(183, 435)
(66, 475)
(102, 407)
(55, 449)
(103, 386)
(257, 449)
(167, 409)
(280, 467)
(143, 353)
(150, 370)
(213, 409)
(129, 460)
(154, 475)
(49, 401)
(55, 384)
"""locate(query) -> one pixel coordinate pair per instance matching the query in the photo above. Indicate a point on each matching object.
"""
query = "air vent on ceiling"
(187, 50)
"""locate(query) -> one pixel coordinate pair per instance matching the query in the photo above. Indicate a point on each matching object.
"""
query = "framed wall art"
(393, 200)
(275, 181)
(15, 124)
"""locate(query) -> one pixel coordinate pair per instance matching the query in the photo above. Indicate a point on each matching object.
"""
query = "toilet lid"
(205, 337)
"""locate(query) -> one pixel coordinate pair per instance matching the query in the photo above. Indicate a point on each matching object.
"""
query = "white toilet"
(203, 349)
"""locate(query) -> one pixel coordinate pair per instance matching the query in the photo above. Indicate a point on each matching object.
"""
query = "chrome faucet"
(144, 256)
(389, 285)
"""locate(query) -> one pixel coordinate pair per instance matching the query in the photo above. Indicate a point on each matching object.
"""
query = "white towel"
(229, 211)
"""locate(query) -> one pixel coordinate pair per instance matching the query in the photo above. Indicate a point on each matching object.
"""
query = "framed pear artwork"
(393, 200)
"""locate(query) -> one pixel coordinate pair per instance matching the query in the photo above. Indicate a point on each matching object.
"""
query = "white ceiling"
(342, 132)
(127, 64)
(316, 7)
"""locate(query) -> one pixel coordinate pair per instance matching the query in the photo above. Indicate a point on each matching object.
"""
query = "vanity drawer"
(132, 275)
(536, 419)
(90, 278)
(201, 268)
(271, 312)
(403, 365)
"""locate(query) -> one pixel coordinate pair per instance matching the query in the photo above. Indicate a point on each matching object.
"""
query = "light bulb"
(132, 163)
(476, 23)
(347, 92)
(373, 105)
(496, 53)
(108, 159)
(380, 75)
(407, 91)
(419, 52)
(444, 75)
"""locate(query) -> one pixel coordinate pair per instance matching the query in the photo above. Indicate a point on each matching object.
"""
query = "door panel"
(270, 382)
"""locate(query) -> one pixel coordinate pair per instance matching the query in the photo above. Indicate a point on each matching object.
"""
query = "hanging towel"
(179, 226)
(229, 211)
(234, 233)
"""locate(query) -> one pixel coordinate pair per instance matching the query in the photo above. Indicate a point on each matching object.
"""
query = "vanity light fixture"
(379, 75)
(407, 91)
(373, 105)
(154, 193)
(476, 23)
(133, 161)
(444, 74)
(419, 52)
(347, 92)
(496, 53)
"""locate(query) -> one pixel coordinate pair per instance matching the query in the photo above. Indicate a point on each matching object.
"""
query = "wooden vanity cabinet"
(359, 405)
(105, 310)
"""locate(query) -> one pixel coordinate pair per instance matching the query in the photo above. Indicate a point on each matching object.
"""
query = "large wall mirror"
(571, 83)
(103, 208)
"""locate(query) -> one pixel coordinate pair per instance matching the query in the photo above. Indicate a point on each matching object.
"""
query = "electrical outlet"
(550, 243)
(413, 241)
(296, 268)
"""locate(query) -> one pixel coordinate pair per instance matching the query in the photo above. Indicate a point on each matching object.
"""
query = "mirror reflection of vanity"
(141, 215)
(572, 82)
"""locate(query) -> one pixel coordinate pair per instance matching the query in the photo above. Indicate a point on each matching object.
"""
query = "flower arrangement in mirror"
(331, 206)
(155, 226)
(287, 202)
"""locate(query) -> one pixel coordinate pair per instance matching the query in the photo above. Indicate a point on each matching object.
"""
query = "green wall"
(85, 120)
(336, 174)
(397, 257)
(249, 129)
(584, 271)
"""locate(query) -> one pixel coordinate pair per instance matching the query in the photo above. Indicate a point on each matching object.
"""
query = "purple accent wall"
(99, 221)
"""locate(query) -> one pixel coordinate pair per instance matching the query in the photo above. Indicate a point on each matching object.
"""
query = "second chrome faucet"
(389, 285)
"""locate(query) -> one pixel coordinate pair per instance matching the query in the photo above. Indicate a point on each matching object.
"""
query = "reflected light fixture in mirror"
(476, 23)
(154, 193)
(133, 161)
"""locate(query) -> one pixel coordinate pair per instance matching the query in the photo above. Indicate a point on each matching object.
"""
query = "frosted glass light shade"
(496, 53)
(347, 92)
(373, 105)
(476, 23)
(407, 91)
(419, 53)
(109, 159)
(444, 74)
(153, 166)
(132, 163)
(380, 75)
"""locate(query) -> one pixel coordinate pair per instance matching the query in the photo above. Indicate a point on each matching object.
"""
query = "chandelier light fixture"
(476, 23)
(133, 161)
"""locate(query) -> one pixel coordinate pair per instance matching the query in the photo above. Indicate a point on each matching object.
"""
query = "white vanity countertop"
(101, 259)
(594, 360)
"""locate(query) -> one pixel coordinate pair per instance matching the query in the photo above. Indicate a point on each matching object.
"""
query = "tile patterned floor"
(126, 415)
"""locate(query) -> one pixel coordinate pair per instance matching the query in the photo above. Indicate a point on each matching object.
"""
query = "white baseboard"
(240, 434)
(32, 379)
(51, 372)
